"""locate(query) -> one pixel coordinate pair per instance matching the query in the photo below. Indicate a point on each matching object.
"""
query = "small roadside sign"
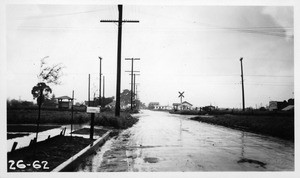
(93, 110)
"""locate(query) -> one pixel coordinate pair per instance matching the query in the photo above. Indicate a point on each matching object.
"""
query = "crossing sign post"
(181, 96)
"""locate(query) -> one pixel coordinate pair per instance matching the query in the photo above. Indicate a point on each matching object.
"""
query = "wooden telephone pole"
(72, 115)
(242, 75)
(120, 21)
(100, 82)
(131, 98)
(103, 91)
(92, 114)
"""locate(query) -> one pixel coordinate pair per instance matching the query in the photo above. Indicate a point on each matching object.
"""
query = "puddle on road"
(150, 160)
(252, 161)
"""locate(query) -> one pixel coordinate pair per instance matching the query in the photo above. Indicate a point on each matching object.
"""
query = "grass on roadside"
(106, 118)
(278, 126)
(47, 117)
(125, 120)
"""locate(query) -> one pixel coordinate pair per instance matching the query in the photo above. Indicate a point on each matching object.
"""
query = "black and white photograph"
(115, 88)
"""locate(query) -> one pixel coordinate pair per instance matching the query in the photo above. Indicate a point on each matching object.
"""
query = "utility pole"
(242, 75)
(103, 90)
(100, 82)
(138, 106)
(120, 21)
(131, 98)
(92, 114)
(72, 117)
(134, 86)
(136, 90)
(89, 90)
(94, 104)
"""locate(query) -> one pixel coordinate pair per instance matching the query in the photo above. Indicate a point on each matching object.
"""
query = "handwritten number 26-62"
(21, 165)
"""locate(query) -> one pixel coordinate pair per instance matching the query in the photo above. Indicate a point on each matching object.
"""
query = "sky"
(195, 49)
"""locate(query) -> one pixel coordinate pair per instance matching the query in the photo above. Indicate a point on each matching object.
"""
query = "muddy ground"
(47, 154)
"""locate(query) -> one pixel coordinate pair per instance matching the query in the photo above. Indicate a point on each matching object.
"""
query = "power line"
(270, 76)
(263, 84)
(204, 75)
(64, 14)
(62, 28)
(253, 30)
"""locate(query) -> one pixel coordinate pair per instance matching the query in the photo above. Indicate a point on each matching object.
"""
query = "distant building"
(159, 107)
(152, 105)
(186, 105)
(281, 105)
(176, 106)
(272, 105)
(64, 102)
(182, 106)
(208, 108)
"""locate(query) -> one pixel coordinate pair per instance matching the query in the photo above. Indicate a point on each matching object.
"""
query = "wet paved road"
(164, 142)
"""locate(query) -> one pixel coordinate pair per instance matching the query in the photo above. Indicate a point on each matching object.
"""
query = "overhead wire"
(279, 31)
(253, 30)
(64, 14)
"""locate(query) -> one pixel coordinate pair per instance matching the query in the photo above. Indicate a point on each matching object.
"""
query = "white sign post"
(93, 110)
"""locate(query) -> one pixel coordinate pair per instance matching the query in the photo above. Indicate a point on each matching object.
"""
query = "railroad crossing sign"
(181, 96)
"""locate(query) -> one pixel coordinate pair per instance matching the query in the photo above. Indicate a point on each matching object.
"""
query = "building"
(182, 106)
(64, 102)
(288, 108)
(272, 105)
(281, 105)
(186, 105)
(208, 108)
(158, 107)
(152, 105)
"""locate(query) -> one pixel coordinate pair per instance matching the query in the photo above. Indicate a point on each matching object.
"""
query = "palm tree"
(48, 74)
(40, 91)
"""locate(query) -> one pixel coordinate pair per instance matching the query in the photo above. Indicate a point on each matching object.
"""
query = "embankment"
(277, 126)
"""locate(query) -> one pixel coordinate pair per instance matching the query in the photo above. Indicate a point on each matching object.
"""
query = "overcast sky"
(195, 49)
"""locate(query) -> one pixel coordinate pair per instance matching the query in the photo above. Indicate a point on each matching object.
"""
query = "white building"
(182, 106)
(159, 107)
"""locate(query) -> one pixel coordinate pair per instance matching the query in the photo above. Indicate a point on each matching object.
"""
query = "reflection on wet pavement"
(164, 142)
(24, 140)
